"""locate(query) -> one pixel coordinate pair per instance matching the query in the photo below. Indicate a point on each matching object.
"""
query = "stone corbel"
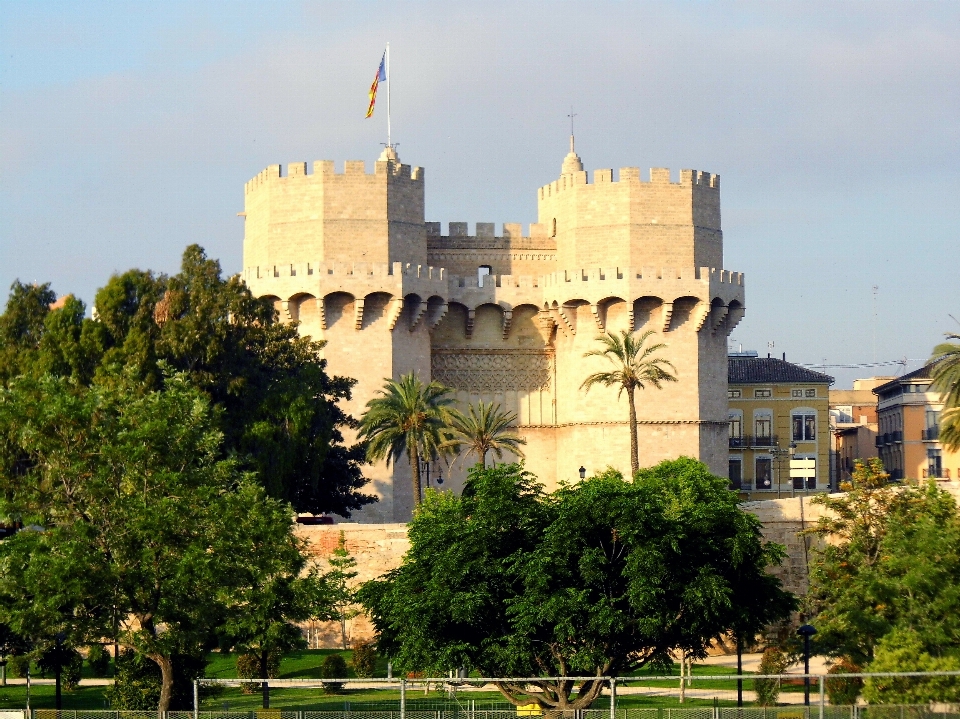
(440, 315)
(358, 314)
(667, 315)
(566, 320)
(721, 316)
(507, 320)
(545, 325)
(322, 309)
(396, 310)
(285, 306)
(704, 315)
(418, 314)
(596, 315)
(471, 318)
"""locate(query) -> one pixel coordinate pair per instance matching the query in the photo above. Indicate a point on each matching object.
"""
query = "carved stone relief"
(489, 371)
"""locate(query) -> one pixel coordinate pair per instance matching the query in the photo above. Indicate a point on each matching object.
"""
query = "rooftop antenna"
(571, 116)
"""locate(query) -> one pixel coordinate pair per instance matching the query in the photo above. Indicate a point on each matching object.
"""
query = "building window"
(764, 473)
(796, 393)
(733, 394)
(810, 393)
(483, 271)
(736, 429)
(763, 427)
(736, 473)
(762, 393)
(934, 463)
(804, 427)
(808, 480)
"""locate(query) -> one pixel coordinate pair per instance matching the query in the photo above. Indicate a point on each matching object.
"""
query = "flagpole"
(389, 83)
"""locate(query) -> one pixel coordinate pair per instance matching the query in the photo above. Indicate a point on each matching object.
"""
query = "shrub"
(17, 665)
(333, 667)
(137, 684)
(248, 667)
(71, 665)
(98, 659)
(768, 690)
(844, 690)
(364, 659)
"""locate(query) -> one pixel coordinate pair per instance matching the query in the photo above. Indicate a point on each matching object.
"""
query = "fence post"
(613, 698)
(196, 699)
(820, 681)
(403, 699)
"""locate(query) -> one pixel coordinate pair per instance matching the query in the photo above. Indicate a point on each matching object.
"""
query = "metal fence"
(884, 711)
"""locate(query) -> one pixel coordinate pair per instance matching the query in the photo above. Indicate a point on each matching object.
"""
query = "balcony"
(736, 442)
(755, 441)
(931, 434)
(895, 436)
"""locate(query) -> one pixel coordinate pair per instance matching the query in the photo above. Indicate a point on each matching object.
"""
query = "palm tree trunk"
(415, 466)
(634, 450)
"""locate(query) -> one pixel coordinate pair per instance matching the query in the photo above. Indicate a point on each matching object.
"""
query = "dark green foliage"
(602, 578)
(98, 659)
(333, 667)
(17, 665)
(138, 682)
(773, 661)
(144, 524)
(249, 667)
(70, 661)
(277, 408)
(891, 569)
(844, 690)
(364, 660)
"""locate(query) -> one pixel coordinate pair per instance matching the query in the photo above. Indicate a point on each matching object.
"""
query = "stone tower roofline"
(658, 175)
(325, 170)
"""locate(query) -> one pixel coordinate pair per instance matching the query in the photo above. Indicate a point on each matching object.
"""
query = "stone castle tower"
(508, 318)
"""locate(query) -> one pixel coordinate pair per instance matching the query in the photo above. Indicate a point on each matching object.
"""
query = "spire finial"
(571, 163)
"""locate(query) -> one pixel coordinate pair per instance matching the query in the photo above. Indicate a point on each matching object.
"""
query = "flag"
(381, 77)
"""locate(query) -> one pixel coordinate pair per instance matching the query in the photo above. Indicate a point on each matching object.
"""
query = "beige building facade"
(507, 318)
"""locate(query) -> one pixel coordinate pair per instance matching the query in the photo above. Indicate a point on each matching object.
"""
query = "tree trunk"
(634, 450)
(415, 466)
(166, 681)
(343, 629)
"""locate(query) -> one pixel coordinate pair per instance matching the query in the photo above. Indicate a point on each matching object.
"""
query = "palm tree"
(485, 428)
(946, 380)
(634, 368)
(407, 417)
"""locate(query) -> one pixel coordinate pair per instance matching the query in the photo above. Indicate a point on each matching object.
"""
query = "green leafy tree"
(484, 428)
(277, 408)
(598, 579)
(135, 515)
(635, 367)
(887, 582)
(341, 594)
(407, 417)
(906, 650)
(946, 380)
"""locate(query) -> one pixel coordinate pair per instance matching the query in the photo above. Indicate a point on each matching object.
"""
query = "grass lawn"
(306, 663)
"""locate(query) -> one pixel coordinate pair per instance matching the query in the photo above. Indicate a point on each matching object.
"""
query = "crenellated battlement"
(658, 176)
(348, 270)
(485, 237)
(325, 171)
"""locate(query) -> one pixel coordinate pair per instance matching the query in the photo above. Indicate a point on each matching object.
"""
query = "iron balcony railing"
(931, 434)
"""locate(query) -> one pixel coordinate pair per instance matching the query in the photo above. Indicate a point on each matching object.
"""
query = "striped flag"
(381, 77)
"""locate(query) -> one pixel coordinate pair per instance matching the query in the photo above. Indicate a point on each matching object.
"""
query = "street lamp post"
(59, 665)
(780, 453)
(806, 631)
(425, 468)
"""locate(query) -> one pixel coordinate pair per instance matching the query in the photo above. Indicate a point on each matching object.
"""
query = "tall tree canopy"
(885, 588)
(278, 408)
(597, 579)
(135, 526)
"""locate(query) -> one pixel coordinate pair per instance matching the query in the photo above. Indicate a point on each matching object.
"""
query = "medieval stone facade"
(508, 318)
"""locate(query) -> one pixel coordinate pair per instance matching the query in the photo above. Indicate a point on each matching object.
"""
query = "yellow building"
(908, 435)
(777, 411)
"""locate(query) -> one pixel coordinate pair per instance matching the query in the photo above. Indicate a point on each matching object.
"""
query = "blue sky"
(128, 129)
